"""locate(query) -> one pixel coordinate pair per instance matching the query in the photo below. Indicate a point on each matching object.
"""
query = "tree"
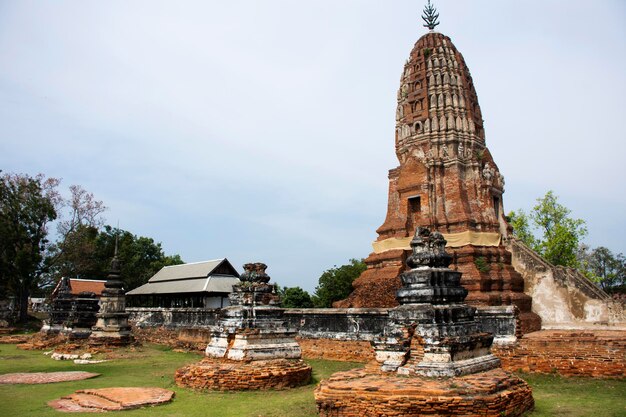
(87, 253)
(521, 228)
(336, 283)
(74, 252)
(141, 257)
(295, 297)
(560, 235)
(27, 205)
(29, 263)
(604, 267)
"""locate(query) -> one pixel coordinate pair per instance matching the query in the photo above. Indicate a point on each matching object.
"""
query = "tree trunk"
(23, 305)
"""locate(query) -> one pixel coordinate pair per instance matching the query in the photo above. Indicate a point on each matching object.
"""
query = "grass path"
(154, 365)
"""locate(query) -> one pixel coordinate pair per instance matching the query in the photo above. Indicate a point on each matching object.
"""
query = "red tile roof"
(92, 285)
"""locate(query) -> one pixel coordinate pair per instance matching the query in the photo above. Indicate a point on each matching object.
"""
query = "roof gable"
(78, 285)
(88, 285)
(194, 270)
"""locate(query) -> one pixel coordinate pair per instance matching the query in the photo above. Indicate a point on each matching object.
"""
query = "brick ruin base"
(368, 392)
(112, 399)
(337, 350)
(589, 353)
(596, 354)
(568, 353)
(227, 375)
(188, 339)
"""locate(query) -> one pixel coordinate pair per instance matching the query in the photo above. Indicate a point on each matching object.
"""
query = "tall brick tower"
(447, 181)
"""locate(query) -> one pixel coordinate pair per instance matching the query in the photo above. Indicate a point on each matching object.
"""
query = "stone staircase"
(565, 276)
(563, 296)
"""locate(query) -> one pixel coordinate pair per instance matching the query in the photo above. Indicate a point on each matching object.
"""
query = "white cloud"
(267, 128)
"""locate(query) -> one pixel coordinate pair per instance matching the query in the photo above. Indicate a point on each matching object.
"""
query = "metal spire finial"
(115, 269)
(430, 16)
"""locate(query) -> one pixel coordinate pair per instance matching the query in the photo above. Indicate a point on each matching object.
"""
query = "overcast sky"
(264, 130)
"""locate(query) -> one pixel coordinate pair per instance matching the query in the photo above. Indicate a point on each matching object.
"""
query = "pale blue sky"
(264, 130)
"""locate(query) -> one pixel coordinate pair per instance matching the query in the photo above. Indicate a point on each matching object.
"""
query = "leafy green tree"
(603, 267)
(30, 263)
(559, 234)
(27, 205)
(522, 229)
(140, 257)
(87, 253)
(295, 297)
(336, 283)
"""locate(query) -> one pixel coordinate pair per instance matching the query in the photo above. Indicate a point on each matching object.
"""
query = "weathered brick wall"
(345, 334)
(211, 374)
(145, 317)
(568, 353)
(338, 323)
(189, 339)
(361, 392)
(337, 350)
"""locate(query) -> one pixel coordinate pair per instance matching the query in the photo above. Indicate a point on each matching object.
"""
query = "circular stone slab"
(45, 377)
(112, 399)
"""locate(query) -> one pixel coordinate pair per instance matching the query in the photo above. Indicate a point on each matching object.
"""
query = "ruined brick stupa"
(112, 327)
(252, 347)
(448, 181)
(434, 359)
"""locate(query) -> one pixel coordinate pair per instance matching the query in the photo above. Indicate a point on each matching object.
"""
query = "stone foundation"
(365, 392)
(591, 353)
(596, 354)
(225, 375)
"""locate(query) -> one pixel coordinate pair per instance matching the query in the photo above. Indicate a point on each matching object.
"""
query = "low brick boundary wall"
(568, 353)
(337, 350)
(344, 335)
(597, 354)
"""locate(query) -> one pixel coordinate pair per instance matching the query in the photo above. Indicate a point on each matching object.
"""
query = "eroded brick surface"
(568, 353)
(112, 399)
(225, 375)
(565, 352)
(337, 350)
(45, 377)
(363, 392)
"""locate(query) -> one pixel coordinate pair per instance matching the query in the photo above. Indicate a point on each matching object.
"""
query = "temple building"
(447, 181)
(79, 285)
(201, 284)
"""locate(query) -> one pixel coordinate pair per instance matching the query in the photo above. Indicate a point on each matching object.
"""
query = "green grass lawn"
(556, 396)
(154, 365)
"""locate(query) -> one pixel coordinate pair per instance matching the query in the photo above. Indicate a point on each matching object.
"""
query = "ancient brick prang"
(448, 181)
